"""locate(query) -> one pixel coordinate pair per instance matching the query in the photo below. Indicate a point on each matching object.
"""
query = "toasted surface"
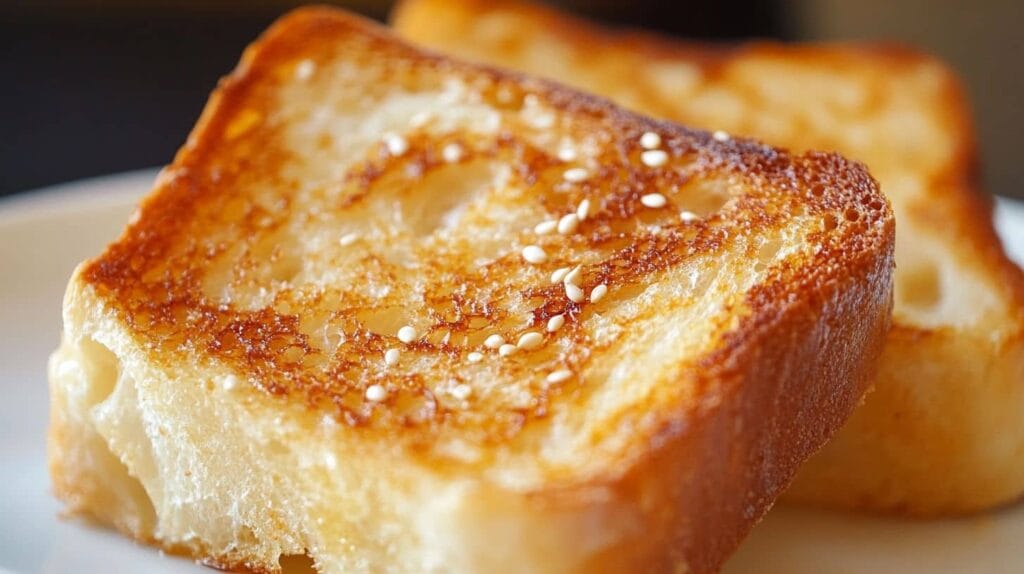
(279, 355)
(939, 433)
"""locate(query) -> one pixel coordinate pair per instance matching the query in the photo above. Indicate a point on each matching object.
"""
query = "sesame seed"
(396, 144)
(328, 423)
(230, 383)
(567, 154)
(391, 357)
(574, 293)
(568, 223)
(575, 175)
(583, 210)
(348, 239)
(494, 341)
(452, 152)
(530, 340)
(506, 349)
(330, 461)
(559, 376)
(720, 135)
(462, 391)
(598, 293)
(555, 323)
(654, 158)
(304, 70)
(542, 120)
(653, 200)
(650, 140)
(688, 216)
(545, 227)
(558, 275)
(375, 393)
(534, 254)
(475, 357)
(407, 334)
(573, 277)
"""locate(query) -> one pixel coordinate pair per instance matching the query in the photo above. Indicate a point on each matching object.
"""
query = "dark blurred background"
(91, 87)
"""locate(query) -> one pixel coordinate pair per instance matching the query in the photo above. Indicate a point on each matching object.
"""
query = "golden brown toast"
(332, 328)
(941, 431)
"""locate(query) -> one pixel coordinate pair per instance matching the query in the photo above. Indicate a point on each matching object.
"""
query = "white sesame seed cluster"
(653, 156)
(534, 254)
(571, 277)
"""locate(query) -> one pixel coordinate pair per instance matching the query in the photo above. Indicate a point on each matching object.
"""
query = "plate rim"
(107, 190)
(126, 188)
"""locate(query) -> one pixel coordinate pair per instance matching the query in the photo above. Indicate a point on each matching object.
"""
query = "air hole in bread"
(102, 370)
(242, 275)
(702, 197)
(769, 250)
(452, 190)
(120, 495)
(767, 253)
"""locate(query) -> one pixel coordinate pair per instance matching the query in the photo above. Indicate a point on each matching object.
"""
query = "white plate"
(44, 234)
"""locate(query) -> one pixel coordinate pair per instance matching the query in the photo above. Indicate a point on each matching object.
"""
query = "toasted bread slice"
(940, 433)
(294, 347)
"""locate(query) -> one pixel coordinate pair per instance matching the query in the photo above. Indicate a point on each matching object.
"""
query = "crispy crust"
(900, 440)
(782, 377)
(955, 190)
(153, 290)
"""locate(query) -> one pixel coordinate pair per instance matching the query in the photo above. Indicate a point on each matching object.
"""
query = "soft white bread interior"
(940, 433)
(292, 349)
